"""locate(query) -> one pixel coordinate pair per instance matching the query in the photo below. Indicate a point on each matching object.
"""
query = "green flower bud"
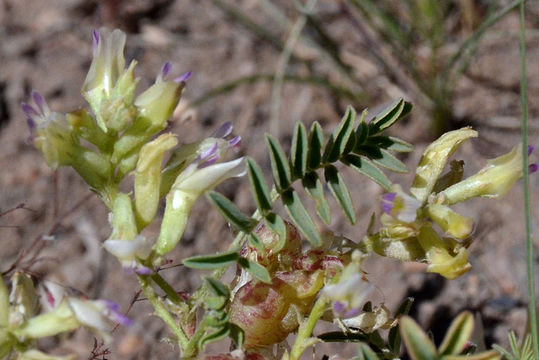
(148, 177)
(158, 102)
(109, 88)
(123, 219)
(434, 159)
(493, 181)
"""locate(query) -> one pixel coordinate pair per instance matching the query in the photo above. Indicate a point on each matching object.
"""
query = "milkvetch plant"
(282, 285)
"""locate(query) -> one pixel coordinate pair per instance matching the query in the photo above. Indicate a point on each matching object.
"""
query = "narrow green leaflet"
(394, 336)
(340, 192)
(316, 141)
(387, 117)
(485, 355)
(383, 158)
(231, 212)
(339, 140)
(366, 352)
(298, 153)
(338, 336)
(390, 143)
(277, 225)
(417, 342)
(279, 163)
(215, 336)
(256, 270)
(312, 184)
(217, 287)
(458, 334)
(366, 168)
(362, 131)
(300, 217)
(259, 186)
(210, 262)
(237, 335)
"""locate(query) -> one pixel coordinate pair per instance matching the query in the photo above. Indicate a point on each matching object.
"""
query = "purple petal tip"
(339, 307)
(351, 313)
(209, 152)
(143, 270)
(38, 99)
(223, 130)
(532, 168)
(95, 40)
(388, 200)
(28, 110)
(235, 141)
(165, 70)
(184, 77)
(530, 149)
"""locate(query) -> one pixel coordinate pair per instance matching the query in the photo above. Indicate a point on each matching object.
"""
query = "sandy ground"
(46, 45)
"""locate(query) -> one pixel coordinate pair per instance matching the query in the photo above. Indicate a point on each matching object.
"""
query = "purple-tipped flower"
(183, 77)
(39, 114)
(530, 149)
(95, 40)
(165, 70)
(223, 131)
(532, 168)
(388, 201)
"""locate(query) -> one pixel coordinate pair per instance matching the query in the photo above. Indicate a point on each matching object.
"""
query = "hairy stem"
(161, 311)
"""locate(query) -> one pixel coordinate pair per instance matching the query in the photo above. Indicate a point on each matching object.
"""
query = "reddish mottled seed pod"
(269, 312)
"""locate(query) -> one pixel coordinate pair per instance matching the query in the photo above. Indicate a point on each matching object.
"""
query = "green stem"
(165, 286)
(527, 210)
(161, 311)
(192, 347)
(306, 329)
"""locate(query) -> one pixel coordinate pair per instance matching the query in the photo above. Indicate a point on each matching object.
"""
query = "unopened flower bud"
(148, 177)
(493, 181)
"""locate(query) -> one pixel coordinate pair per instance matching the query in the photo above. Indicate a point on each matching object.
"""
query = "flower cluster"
(407, 222)
(21, 322)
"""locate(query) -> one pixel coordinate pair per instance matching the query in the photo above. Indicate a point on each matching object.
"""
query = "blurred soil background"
(46, 45)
